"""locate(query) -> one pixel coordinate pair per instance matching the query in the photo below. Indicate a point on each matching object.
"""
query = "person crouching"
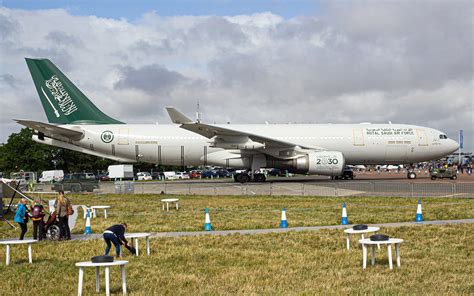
(115, 234)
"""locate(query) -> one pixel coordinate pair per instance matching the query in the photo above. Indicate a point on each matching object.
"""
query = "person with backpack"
(116, 235)
(21, 217)
(63, 208)
(37, 214)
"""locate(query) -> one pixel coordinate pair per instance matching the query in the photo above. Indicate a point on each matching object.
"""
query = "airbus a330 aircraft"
(75, 123)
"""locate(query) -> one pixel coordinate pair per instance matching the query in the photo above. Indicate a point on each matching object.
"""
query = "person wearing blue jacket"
(21, 217)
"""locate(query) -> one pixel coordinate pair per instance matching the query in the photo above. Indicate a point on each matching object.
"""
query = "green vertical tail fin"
(62, 101)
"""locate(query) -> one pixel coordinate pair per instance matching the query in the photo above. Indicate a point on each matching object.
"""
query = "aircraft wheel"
(454, 177)
(237, 178)
(53, 233)
(259, 178)
(411, 175)
(244, 178)
(433, 177)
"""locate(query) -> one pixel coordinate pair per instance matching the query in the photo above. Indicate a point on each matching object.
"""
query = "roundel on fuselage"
(107, 136)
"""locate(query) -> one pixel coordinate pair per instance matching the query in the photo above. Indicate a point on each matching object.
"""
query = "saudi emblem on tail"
(62, 101)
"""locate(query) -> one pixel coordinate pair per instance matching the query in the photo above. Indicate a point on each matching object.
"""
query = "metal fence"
(359, 188)
(334, 188)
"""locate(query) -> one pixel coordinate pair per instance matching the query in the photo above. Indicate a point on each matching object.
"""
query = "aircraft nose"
(451, 146)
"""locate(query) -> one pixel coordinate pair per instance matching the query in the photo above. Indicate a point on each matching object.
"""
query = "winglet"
(178, 117)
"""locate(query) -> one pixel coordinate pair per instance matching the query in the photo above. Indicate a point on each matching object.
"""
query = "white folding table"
(392, 241)
(168, 201)
(7, 243)
(107, 266)
(135, 236)
(95, 208)
(350, 231)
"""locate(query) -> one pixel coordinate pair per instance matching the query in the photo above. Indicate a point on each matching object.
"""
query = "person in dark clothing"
(37, 213)
(115, 234)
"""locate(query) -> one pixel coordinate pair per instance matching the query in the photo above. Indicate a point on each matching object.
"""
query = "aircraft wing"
(52, 130)
(211, 131)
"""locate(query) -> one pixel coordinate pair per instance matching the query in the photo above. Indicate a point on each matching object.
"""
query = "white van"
(51, 176)
(121, 171)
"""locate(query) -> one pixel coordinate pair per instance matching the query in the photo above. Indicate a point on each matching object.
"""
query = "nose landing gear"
(411, 175)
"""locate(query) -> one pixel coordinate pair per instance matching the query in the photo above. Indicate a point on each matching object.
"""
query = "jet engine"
(328, 163)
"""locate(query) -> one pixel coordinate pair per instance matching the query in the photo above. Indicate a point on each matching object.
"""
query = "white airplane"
(75, 123)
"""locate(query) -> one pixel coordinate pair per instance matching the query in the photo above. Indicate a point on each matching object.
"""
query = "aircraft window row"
(399, 142)
(178, 138)
(443, 136)
(310, 138)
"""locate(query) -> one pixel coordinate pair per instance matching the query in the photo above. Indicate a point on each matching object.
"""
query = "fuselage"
(172, 145)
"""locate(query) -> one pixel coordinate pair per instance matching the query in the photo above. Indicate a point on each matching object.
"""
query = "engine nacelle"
(328, 163)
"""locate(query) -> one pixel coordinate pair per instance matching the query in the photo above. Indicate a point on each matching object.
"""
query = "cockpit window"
(443, 136)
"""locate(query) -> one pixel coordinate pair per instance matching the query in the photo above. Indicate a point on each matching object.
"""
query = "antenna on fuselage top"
(198, 112)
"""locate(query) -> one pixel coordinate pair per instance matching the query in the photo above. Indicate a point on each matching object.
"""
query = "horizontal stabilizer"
(52, 130)
(178, 117)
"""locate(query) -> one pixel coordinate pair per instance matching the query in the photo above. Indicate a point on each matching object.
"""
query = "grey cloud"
(152, 79)
(59, 38)
(60, 57)
(163, 46)
(9, 80)
(218, 31)
(8, 26)
(299, 28)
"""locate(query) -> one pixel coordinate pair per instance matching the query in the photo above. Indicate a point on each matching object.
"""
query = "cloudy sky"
(276, 61)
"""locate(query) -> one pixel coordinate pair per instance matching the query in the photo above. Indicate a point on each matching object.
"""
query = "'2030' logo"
(107, 136)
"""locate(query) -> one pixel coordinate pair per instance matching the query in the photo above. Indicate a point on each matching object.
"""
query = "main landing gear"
(411, 175)
(245, 178)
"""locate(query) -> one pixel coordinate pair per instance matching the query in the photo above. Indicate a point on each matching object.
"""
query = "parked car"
(209, 174)
(170, 175)
(181, 175)
(144, 176)
(89, 175)
(223, 174)
(444, 173)
(103, 177)
(277, 172)
(77, 182)
(195, 174)
(347, 173)
(157, 175)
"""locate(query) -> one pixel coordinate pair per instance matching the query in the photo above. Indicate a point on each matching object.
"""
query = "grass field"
(436, 260)
(143, 212)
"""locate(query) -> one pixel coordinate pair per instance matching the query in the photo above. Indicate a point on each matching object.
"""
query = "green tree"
(22, 153)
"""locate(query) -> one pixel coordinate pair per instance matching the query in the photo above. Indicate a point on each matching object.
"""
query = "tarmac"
(281, 230)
